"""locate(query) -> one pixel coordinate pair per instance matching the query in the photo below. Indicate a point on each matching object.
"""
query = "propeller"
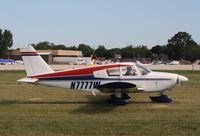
(180, 79)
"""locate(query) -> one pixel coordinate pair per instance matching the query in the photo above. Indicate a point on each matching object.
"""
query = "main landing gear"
(119, 98)
(161, 99)
(122, 98)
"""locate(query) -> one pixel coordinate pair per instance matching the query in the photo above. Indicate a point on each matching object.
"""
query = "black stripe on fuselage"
(91, 77)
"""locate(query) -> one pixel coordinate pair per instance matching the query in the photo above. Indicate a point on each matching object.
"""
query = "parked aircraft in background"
(10, 62)
(119, 79)
(6, 61)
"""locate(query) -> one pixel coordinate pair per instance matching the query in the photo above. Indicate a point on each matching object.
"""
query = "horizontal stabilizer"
(27, 80)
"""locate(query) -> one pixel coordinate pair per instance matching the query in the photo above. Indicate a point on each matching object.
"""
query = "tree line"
(6, 42)
(180, 46)
(126, 52)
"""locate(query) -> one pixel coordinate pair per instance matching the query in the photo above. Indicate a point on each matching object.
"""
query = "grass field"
(29, 110)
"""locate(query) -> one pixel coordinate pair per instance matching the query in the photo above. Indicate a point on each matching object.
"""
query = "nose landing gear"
(161, 99)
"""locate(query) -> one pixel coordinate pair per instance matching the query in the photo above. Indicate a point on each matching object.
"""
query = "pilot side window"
(129, 71)
(113, 72)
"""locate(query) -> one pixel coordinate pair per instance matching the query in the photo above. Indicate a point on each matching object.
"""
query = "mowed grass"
(30, 110)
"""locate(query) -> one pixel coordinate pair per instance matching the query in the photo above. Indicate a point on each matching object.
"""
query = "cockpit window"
(142, 69)
(129, 71)
(113, 72)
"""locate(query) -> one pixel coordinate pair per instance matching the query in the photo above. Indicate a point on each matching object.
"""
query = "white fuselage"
(152, 82)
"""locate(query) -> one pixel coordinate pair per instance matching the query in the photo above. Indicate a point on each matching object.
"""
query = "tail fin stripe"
(29, 54)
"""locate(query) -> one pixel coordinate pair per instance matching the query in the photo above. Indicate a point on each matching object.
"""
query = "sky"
(112, 23)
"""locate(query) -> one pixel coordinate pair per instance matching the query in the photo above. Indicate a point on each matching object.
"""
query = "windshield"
(142, 69)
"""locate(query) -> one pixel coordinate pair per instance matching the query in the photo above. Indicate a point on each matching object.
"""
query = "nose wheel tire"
(161, 99)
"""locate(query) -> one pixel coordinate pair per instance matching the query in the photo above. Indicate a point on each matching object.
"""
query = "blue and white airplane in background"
(119, 79)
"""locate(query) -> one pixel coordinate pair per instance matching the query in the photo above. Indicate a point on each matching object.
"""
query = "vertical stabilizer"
(33, 62)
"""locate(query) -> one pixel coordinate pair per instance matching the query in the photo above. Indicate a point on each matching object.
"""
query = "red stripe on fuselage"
(81, 71)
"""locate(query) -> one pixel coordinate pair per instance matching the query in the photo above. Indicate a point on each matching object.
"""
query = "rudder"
(33, 62)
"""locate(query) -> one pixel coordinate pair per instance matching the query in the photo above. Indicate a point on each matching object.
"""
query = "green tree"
(7, 42)
(127, 52)
(43, 46)
(164, 52)
(8, 38)
(58, 47)
(71, 48)
(1, 43)
(192, 53)
(141, 51)
(156, 51)
(86, 50)
(179, 44)
(137, 52)
(159, 52)
(112, 52)
(101, 51)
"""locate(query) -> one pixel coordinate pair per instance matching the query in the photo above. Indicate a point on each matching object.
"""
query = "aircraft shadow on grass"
(91, 100)
(91, 106)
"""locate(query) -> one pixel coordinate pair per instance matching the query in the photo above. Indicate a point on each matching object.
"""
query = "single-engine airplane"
(118, 78)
